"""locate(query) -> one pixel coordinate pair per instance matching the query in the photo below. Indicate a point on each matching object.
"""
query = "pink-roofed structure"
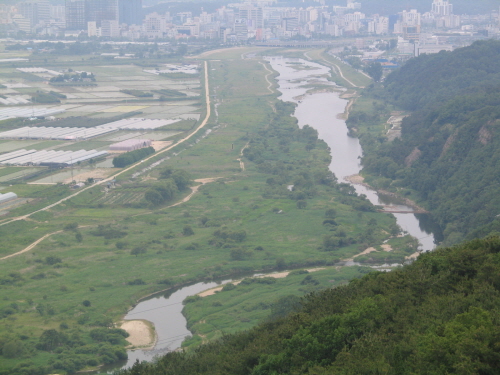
(130, 145)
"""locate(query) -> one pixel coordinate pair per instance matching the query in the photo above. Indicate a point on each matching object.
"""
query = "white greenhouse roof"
(33, 157)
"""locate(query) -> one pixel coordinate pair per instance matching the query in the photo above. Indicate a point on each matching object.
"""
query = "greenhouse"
(7, 197)
(130, 145)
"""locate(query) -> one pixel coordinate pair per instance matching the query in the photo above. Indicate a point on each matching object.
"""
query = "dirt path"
(338, 70)
(34, 244)
(194, 190)
(270, 85)
(242, 164)
(30, 247)
(202, 125)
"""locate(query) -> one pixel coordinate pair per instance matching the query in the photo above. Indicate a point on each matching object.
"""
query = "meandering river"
(320, 110)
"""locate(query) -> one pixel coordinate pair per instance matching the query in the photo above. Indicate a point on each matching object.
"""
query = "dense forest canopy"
(439, 315)
(434, 79)
(448, 152)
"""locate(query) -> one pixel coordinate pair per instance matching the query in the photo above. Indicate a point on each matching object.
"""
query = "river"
(321, 111)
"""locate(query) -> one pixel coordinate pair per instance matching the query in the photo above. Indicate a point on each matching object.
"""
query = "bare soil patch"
(140, 333)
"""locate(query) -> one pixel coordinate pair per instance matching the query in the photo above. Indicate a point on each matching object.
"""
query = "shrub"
(187, 230)
(131, 157)
(136, 282)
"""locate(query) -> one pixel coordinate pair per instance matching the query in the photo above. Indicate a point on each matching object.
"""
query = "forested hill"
(434, 79)
(449, 153)
(439, 315)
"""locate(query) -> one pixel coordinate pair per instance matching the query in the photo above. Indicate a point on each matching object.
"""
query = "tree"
(50, 339)
(301, 204)
(154, 197)
(375, 71)
(86, 303)
(138, 250)
(13, 349)
(78, 237)
(187, 230)
(331, 213)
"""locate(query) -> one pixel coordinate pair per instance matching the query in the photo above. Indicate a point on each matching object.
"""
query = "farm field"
(106, 100)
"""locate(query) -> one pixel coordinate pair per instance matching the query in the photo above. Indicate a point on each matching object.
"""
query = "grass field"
(97, 264)
(354, 78)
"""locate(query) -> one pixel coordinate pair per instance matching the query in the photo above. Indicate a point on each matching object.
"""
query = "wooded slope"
(449, 150)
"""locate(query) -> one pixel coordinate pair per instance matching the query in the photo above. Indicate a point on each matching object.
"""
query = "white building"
(110, 28)
(155, 25)
(92, 29)
(441, 8)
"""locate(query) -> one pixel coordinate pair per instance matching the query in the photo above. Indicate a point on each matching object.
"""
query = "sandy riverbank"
(356, 179)
(277, 275)
(141, 333)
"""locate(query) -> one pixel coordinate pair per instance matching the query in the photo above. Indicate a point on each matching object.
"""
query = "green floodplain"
(103, 249)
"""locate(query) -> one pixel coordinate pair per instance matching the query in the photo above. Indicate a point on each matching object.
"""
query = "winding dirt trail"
(34, 244)
(202, 125)
(30, 247)
(270, 85)
(338, 70)
(242, 164)
(194, 190)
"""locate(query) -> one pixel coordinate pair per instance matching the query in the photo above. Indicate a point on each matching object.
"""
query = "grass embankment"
(344, 75)
(96, 265)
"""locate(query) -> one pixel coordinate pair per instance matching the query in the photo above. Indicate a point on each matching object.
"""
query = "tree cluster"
(170, 183)
(131, 157)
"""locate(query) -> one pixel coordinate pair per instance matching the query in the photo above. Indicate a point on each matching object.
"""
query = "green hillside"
(439, 315)
(448, 153)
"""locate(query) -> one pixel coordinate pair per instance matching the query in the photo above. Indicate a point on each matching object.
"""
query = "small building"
(7, 197)
(130, 145)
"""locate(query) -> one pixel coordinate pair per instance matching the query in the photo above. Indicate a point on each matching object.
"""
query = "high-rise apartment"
(99, 10)
(130, 12)
(35, 11)
(442, 8)
(76, 18)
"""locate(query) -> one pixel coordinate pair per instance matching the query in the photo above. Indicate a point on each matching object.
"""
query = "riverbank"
(277, 275)
(142, 334)
(357, 179)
